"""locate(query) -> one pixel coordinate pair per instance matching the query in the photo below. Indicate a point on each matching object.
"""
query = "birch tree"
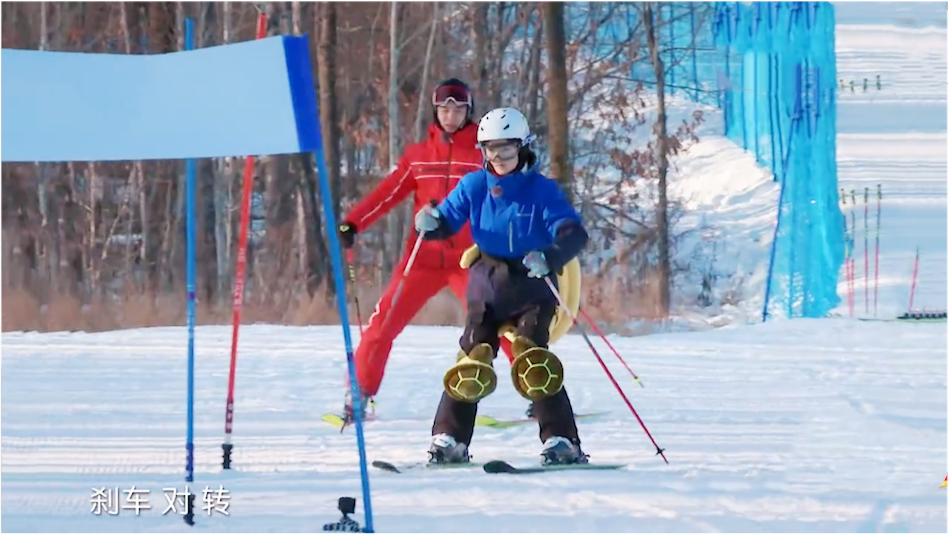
(224, 179)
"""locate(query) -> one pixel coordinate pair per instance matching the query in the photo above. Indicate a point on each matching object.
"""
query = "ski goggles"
(501, 150)
(457, 94)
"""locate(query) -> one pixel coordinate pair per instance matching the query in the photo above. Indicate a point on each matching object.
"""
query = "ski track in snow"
(806, 425)
(810, 425)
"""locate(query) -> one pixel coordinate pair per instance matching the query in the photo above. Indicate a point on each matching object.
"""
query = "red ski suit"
(429, 169)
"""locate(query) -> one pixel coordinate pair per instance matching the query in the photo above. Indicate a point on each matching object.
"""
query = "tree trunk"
(536, 65)
(557, 108)
(223, 197)
(302, 238)
(479, 27)
(327, 98)
(423, 94)
(328, 117)
(660, 130)
(389, 259)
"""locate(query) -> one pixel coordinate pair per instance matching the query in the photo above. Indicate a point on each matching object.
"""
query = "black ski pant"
(499, 291)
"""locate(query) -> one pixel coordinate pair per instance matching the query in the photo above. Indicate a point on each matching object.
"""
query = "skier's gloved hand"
(426, 220)
(535, 262)
(347, 234)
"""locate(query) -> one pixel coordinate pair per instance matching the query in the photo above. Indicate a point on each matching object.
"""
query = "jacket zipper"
(510, 235)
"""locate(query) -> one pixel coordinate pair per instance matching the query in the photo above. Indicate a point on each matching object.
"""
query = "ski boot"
(348, 411)
(536, 372)
(472, 378)
(558, 450)
(444, 449)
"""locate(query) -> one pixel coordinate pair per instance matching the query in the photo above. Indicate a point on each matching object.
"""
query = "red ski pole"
(613, 349)
(852, 220)
(865, 247)
(239, 278)
(914, 278)
(847, 259)
(659, 451)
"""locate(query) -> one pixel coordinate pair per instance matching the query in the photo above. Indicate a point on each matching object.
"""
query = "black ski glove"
(347, 234)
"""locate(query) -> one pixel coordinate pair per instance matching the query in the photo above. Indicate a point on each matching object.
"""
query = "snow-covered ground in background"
(731, 202)
(723, 229)
(896, 137)
(826, 425)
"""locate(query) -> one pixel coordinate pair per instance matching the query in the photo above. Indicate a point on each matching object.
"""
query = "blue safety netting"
(779, 99)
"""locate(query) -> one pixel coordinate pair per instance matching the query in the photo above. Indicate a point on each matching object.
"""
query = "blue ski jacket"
(513, 215)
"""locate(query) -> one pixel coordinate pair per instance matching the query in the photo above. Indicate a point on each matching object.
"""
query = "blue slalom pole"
(191, 228)
(335, 252)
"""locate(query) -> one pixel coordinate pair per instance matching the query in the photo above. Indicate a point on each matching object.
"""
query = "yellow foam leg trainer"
(472, 378)
(570, 285)
(536, 372)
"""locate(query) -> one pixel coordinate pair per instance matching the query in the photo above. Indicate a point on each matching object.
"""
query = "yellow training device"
(569, 284)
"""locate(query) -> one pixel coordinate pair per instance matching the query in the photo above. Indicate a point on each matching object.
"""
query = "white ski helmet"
(502, 124)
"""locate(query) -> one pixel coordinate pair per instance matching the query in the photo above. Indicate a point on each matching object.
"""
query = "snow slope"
(896, 137)
(807, 425)
(829, 425)
(723, 229)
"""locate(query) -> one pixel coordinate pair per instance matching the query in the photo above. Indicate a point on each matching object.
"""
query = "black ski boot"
(558, 450)
(444, 449)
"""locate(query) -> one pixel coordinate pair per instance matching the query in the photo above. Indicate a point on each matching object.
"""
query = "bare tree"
(394, 52)
(661, 134)
(223, 194)
(81, 230)
(557, 107)
(423, 93)
(326, 59)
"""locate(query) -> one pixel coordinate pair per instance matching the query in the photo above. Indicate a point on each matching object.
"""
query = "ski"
(392, 468)
(488, 421)
(911, 321)
(502, 467)
(338, 421)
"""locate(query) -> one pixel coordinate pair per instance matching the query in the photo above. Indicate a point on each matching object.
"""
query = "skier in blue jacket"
(526, 231)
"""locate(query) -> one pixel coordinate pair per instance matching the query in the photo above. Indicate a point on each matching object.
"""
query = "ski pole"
(613, 349)
(659, 451)
(239, 281)
(852, 220)
(398, 289)
(411, 261)
(914, 278)
(350, 259)
(847, 258)
(865, 246)
(875, 291)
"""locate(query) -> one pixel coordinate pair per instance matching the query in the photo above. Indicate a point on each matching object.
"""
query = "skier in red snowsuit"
(429, 169)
